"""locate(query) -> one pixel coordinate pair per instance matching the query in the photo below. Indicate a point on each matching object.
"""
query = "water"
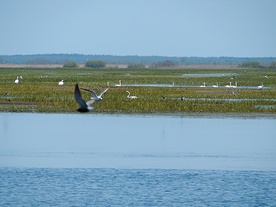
(120, 160)
(135, 187)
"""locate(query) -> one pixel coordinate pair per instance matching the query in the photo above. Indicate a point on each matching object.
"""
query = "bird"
(236, 85)
(131, 97)
(260, 86)
(203, 85)
(120, 83)
(172, 85)
(163, 97)
(61, 83)
(84, 106)
(94, 95)
(229, 86)
(215, 86)
(17, 80)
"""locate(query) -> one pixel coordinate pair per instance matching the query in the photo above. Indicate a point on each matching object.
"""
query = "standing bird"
(94, 95)
(84, 106)
(61, 83)
(17, 80)
(131, 97)
(204, 85)
(260, 86)
(215, 86)
(120, 83)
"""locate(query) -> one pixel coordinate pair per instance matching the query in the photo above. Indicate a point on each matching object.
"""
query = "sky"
(202, 28)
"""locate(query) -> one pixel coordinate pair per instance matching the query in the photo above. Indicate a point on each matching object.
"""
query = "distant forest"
(145, 60)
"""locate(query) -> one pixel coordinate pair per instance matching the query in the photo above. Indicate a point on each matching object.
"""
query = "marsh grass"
(38, 91)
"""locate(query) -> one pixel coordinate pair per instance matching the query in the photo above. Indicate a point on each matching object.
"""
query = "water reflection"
(123, 141)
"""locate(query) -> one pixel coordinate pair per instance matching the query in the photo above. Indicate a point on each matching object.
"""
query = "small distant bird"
(84, 106)
(120, 83)
(6, 94)
(94, 95)
(17, 80)
(204, 85)
(233, 92)
(260, 86)
(163, 97)
(215, 86)
(131, 97)
(182, 98)
(61, 83)
(229, 86)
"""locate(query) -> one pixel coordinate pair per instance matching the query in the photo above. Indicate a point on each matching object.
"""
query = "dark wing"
(91, 91)
(79, 98)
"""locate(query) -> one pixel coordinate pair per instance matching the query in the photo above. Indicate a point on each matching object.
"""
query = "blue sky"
(204, 28)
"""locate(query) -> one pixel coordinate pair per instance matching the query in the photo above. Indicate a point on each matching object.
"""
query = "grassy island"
(158, 90)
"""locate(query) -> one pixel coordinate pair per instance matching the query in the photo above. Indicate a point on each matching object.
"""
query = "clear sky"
(239, 28)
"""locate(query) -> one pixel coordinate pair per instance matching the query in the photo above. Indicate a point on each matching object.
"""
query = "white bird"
(229, 86)
(131, 97)
(61, 83)
(120, 83)
(17, 80)
(215, 86)
(94, 95)
(260, 86)
(203, 85)
(236, 85)
(84, 106)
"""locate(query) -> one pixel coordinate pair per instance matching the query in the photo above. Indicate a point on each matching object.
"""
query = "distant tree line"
(166, 63)
(95, 64)
(255, 64)
(132, 59)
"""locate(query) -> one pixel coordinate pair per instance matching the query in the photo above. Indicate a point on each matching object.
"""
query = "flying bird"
(94, 95)
(84, 106)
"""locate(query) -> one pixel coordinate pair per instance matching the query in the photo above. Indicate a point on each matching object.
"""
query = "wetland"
(158, 90)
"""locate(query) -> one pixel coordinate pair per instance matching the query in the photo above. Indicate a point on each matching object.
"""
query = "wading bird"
(215, 86)
(84, 106)
(131, 97)
(94, 95)
(61, 83)
(204, 85)
(120, 83)
(229, 86)
(17, 80)
(236, 85)
(260, 86)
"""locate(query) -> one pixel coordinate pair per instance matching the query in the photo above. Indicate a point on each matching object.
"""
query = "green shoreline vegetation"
(39, 91)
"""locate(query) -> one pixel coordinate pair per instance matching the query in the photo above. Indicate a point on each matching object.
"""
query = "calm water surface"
(121, 160)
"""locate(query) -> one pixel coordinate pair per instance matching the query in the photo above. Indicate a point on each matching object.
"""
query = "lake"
(137, 160)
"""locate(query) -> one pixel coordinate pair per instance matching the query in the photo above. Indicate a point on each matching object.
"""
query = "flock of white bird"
(86, 106)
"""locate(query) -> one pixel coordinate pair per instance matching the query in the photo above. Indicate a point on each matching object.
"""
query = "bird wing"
(91, 91)
(90, 102)
(79, 98)
(103, 92)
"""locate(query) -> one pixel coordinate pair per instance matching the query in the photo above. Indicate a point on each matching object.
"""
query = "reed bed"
(39, 91)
